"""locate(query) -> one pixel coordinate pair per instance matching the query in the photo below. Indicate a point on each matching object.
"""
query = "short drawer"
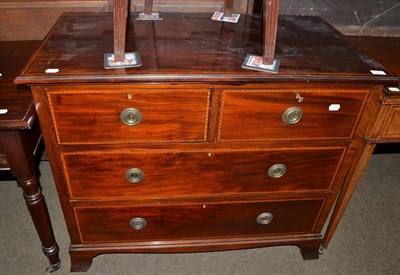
(161, 173)
(290, 115)
(392, 128)
(193, 221)
(113, 116)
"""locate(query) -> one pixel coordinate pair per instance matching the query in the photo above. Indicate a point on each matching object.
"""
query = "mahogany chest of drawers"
(191, 152)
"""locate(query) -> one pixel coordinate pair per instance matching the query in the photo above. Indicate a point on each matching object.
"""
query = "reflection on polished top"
(194, 48)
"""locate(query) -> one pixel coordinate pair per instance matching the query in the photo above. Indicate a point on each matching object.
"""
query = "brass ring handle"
(138, 223)
(277, 170)
(134, 175)
(130, 117)
(265, 218)
(292, 115)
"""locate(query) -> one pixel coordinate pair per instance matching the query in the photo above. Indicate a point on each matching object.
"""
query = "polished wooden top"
(193, 48)
(16, 99)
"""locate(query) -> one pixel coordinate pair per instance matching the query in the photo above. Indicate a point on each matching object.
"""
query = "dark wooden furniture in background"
(190, 152)
(32, 19)
(20, 136)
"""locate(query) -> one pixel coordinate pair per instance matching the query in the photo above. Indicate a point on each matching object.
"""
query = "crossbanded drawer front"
(290, 114)
(158, 173)
(157, 223)
(109, 117)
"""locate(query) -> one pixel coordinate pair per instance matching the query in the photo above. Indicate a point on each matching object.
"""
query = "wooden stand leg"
(228, 8)
(148, 6)
(120, 17)
(120, 59)
(271, 13)
(16, 145)
(267, 62)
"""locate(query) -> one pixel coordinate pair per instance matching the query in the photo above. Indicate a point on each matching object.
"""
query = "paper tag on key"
(220, 16)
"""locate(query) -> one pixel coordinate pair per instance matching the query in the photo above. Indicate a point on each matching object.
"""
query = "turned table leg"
(19, 154)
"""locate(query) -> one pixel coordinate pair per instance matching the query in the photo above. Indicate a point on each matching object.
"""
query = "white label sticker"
(220, 16)
(52, 71)
(334, 107)
(394, 89)
(3, 111)
(152, 16)
(377, 72)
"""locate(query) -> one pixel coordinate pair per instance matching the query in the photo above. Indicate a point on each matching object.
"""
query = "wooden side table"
(19, 138)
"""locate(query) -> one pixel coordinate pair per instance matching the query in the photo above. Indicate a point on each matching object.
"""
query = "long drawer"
(99, 224)
(290, 114)
(165, 173)
(123, 116)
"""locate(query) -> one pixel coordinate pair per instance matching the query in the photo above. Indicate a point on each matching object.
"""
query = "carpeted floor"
(366, 242)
